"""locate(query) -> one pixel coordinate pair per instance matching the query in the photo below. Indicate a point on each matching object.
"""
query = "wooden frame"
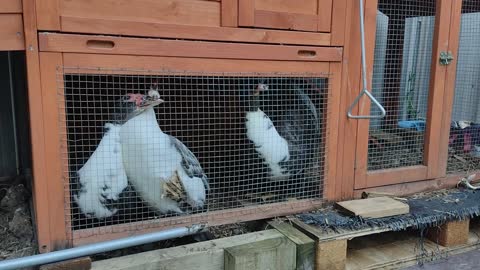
(368, 179)
(52, 16)
(286, 14)
(155, 54)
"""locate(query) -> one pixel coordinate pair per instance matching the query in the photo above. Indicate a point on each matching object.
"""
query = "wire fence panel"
(401, 77)
(140, 146)
(464, 140)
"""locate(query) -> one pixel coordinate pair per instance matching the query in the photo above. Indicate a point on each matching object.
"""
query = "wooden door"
(406, 75)
(299, 15)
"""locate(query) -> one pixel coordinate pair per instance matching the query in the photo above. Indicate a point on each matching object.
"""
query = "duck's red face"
(260, 88)
(143, 102)
(138, 103)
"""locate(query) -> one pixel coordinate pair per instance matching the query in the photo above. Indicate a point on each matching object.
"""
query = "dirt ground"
(16, 230)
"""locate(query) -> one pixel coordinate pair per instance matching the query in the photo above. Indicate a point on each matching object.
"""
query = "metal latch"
(364, 78)
(446, 58)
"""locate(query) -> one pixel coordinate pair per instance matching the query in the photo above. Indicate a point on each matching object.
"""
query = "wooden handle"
(307, 53)
(100, 44)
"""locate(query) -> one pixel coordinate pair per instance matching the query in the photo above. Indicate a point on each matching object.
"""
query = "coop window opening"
(233, 140)
(464, 139)
(401, 79)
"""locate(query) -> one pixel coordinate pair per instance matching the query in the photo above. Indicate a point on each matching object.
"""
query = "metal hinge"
(446, 58)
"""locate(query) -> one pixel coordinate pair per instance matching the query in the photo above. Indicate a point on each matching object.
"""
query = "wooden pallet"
(292, 244)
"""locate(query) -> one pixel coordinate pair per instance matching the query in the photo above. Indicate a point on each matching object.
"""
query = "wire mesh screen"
(143, 147)
(464, 141)
(401, 76)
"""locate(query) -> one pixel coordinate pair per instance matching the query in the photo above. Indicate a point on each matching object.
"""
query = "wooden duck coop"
(93, 63)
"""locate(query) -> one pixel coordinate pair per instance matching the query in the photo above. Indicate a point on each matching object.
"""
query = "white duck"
(162, 169)
(272, 147)
(102, 178)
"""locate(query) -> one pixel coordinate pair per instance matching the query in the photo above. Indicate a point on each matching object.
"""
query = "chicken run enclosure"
(149, 115)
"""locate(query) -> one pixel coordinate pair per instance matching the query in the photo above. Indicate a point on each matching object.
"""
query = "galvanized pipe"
(90, 249)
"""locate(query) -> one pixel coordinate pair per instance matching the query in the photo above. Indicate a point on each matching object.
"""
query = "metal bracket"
(364, 79)
(446, 58)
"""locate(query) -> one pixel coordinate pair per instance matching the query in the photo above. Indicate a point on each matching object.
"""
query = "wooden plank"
(288, 6)
(48, 15)
(450, 234)
(86, 236)
(405, 189)
(149, 29)
(449, 95)
(305, 256)
(396, 176)
(37, 136)
(156, 47)
(57, 188)
(190, 64)
(374, 207)
(437, 88)
(363, 132)
(11, 32)
(289, 21)
(184, 12)
(246, 13)
(11, 6)
(278, 253)
(84, 263)
(339, 19)
(204, 255)
(331, 134)
(331, 255)
(230, 13)
(325, 15)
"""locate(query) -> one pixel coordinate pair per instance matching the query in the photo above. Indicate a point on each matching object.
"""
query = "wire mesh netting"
(401, 76)
(147, 146)
(464, 140)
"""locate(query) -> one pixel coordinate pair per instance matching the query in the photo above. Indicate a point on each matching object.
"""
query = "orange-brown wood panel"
(40, 180)
(284, 20)
(48, 16)
(11, 32)
(56, 198)
(449, 95)
(190, 64)
(288, 6)
(361, 161)
(437, 88)
(246, 13)
(137, 46)
(348, 127)
(339, 19)
(183, 12)
(11, 6)
(86, 236)
(405, 189)
(333, 113)
(229, 13)
(395, 176)
(148, 29)
(325, 15)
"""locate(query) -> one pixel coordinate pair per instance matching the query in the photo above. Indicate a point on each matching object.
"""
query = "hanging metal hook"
(364, 79)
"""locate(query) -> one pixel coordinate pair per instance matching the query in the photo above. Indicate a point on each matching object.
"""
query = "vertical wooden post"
(49, 62)
(449, 95)
(40, 181)
(363, 131)
(437, 88)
